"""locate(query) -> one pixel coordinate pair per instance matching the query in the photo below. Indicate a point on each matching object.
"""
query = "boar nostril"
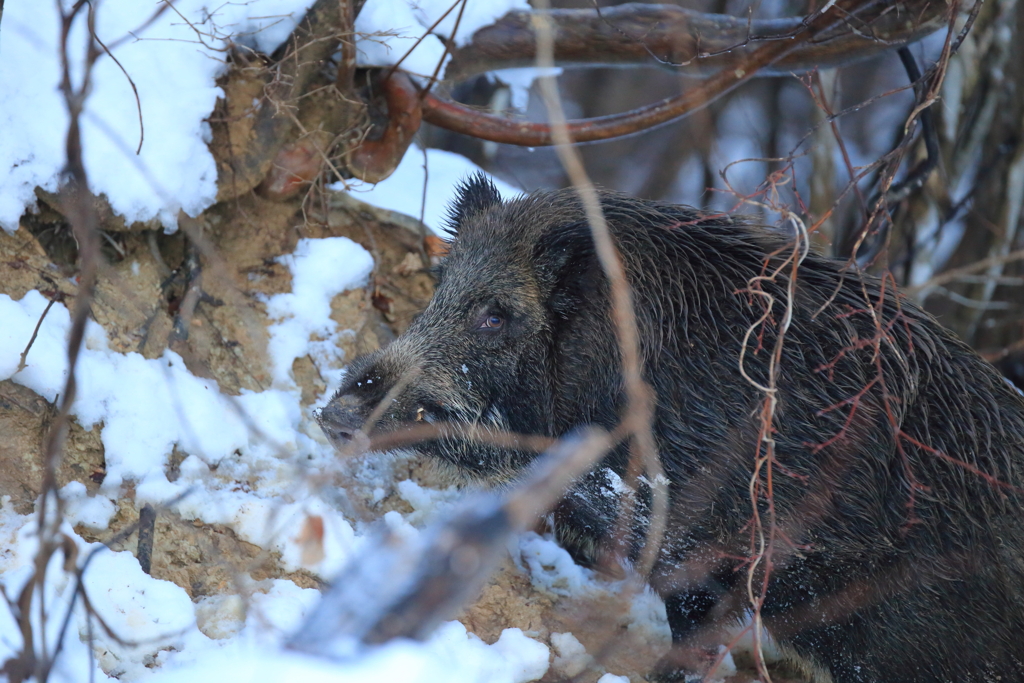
(342, 434)
(342, 419)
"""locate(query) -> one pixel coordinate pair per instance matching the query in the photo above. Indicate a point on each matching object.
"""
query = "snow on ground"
(403, 190)
(451, 654)
(161, 620)
(147, 408)
(305, 312)
(173, 62)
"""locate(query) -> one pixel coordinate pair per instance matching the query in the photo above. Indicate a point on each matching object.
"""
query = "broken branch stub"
(296, 165)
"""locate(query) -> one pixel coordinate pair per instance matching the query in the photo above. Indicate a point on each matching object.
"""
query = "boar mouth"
(341, 421)
(347, 418)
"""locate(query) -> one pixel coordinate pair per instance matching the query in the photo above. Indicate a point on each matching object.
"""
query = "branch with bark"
(690, 42)
(733, 50)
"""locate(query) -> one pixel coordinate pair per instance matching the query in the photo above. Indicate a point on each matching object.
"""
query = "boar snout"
(342, 419)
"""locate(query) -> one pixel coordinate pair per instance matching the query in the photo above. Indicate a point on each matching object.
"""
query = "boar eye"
(492, 322)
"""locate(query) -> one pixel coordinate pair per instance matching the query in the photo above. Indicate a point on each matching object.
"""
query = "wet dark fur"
(897, 564)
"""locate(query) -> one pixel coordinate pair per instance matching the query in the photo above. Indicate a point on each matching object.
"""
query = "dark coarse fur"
(900, 545)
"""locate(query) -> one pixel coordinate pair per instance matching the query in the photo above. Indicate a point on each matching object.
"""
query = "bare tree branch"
(684, 40)
(375, 160)
(639, 414)
(819, 29)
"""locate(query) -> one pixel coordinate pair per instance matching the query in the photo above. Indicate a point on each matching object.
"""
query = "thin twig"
(32, 339)
(447, 48)
(957, 273)
(138, 102)
(427, 32)
(639, 414)
(81, 213)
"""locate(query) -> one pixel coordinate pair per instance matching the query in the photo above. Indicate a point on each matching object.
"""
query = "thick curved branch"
(375, 160)
(841, 19)
(684, 40)
(299, 163)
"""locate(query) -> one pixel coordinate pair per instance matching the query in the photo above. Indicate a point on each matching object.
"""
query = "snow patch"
(174, 67)
(174, 61)
(388, 31)
(551, 567)
(403, 191)
(92, 512)
(571, 657)
(321, 269)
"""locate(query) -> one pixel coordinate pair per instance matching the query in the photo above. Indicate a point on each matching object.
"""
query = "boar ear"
(567, 266)
(473, 195)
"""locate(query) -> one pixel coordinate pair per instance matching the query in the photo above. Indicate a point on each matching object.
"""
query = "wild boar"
(898, 464)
